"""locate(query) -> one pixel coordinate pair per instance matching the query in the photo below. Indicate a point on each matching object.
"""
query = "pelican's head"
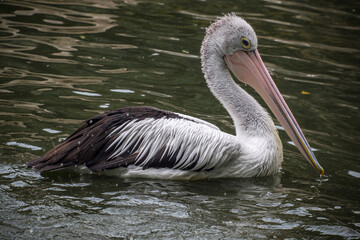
(236, 42)
(239, 35)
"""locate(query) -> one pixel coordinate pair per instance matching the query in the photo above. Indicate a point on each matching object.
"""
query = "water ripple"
(22, 77)
(335, 230)
(91, 22)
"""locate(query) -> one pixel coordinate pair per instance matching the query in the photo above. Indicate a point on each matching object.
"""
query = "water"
(62, 62)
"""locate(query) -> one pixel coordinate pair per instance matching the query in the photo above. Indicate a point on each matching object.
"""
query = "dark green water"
(64, 61)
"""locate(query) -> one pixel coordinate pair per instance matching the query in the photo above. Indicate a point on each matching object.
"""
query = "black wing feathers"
(89, 144)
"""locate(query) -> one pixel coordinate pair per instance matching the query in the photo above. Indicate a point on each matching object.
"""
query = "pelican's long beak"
(250, 69)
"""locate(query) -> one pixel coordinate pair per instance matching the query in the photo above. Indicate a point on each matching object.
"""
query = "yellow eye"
(245, 43)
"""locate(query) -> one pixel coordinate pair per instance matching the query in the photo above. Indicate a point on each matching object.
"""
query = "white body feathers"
(202, 150)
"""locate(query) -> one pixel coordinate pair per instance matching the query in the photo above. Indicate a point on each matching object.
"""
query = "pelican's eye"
(245, 43)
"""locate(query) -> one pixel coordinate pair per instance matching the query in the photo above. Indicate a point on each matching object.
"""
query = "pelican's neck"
(248, 116)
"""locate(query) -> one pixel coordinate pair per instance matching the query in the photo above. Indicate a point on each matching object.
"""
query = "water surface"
(64, 61)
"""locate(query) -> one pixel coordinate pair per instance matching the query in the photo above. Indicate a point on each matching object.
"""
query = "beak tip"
(322, 171)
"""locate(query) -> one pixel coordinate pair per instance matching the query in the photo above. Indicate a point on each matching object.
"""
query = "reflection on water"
(64, 61)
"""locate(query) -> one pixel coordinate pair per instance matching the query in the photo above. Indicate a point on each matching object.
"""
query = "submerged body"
(148, 142)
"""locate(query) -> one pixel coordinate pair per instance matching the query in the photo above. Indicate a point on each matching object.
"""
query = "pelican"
(144, 141)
